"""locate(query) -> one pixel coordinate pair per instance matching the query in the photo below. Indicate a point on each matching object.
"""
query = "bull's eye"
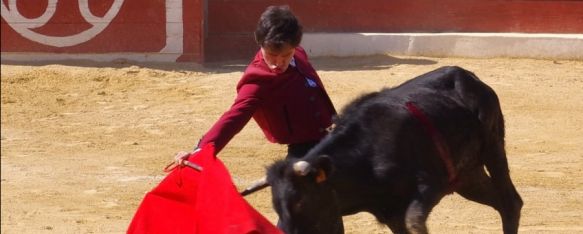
(295, 201)
(297, 207)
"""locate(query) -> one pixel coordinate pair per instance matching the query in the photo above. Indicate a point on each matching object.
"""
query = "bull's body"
(383, 159)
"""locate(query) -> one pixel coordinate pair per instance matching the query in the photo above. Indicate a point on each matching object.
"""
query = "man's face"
(278, 60)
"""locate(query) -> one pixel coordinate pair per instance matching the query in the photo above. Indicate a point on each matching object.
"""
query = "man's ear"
(324, 168)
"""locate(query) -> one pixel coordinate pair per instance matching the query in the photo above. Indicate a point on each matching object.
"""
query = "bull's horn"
(256, 186)
(301, 168)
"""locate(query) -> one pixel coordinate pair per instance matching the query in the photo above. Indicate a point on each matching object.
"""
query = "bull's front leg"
(426, 198)
(397, 225)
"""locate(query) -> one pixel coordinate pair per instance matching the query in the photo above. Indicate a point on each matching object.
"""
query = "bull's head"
(302, 196)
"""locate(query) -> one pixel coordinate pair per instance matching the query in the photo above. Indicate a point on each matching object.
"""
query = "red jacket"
(292, 107)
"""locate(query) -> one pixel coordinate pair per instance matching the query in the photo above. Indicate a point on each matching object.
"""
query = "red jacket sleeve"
(234, 119)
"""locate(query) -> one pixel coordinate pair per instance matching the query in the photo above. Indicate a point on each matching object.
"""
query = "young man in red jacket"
(279, 89)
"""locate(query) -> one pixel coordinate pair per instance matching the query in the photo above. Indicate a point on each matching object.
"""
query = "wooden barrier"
(218, 30)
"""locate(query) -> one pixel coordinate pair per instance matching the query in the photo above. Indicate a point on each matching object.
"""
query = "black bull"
(395, 153)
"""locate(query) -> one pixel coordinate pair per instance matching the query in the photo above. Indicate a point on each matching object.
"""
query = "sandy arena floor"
(83, 143)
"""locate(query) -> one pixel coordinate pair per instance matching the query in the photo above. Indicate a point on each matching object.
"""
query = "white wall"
(479, 45)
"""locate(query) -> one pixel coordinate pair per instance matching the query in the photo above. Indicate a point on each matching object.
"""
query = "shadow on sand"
(352, 63)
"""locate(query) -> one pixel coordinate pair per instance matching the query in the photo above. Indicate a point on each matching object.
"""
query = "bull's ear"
(324, 168)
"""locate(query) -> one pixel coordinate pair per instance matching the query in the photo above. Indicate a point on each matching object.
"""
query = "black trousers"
(299, 150)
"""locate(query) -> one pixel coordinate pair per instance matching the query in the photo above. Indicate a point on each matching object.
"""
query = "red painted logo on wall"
(83, 26)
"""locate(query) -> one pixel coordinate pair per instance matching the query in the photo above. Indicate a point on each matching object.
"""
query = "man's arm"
(234, 119)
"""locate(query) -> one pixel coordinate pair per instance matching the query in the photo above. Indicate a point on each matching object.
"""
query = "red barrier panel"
(148, 27)
(231, 23)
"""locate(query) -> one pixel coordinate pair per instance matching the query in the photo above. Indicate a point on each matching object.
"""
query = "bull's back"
(459, 105)
(455, 90)
(464, 110)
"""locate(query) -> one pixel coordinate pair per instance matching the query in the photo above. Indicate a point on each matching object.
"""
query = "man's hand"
(181, 159)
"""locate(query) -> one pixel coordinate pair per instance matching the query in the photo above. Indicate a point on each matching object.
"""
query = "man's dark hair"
(278, 26)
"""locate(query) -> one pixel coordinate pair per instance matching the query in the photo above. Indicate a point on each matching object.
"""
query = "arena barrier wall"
(219, 30)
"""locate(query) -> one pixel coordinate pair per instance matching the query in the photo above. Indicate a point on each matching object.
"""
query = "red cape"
(189, 201)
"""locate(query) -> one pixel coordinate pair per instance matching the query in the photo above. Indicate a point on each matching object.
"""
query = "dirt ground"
(82, 143)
